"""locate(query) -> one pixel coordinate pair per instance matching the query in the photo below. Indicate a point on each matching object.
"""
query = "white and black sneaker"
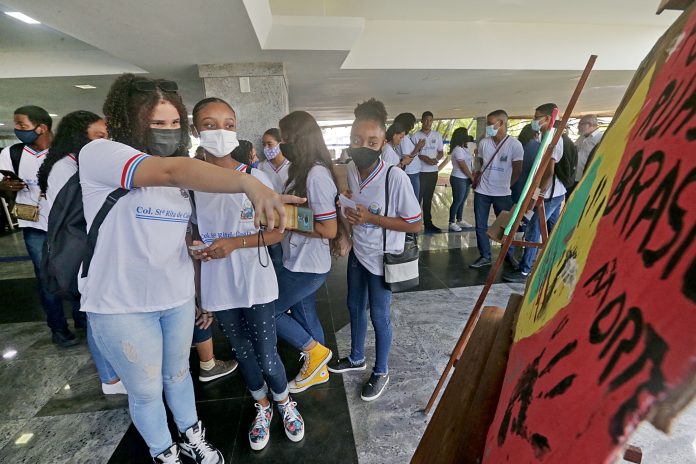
(374, 387)
(344, 365)
(170, 456)
(194, 445)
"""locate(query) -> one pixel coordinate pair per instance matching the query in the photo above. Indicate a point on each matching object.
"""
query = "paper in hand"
(346, 203)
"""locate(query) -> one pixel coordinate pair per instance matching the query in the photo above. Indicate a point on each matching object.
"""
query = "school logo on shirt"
(247, 213)
(184, 193)
(504, 158)
(374, 208)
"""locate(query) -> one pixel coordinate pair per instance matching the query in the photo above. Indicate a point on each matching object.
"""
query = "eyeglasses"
(152, 86)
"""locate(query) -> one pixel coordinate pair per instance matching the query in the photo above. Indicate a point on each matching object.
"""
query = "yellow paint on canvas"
(535, 313)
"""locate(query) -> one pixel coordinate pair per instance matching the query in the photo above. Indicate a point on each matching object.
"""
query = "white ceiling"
(343, 54)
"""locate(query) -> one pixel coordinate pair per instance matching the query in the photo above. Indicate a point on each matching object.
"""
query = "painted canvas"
(606, 336)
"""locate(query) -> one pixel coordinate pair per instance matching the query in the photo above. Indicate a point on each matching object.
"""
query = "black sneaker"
(194, 445)
(432, 229)
(344, 365)
(481, 262)
(374, 387)
(65, 338)
(221, 369)
(517, 277)
(170, 456)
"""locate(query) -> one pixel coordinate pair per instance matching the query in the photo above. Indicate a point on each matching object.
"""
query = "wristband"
(243, 242)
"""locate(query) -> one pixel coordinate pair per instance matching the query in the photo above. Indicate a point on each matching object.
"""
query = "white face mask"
(219, 142)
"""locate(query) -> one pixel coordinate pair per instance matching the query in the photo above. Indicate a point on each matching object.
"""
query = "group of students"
(183, 245)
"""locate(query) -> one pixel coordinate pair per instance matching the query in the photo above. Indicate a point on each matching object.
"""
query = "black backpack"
(566, 166)
(68, 244)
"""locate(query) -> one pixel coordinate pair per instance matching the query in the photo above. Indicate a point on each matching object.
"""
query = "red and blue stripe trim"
(129, 170)
(413, 219)
(325, 216)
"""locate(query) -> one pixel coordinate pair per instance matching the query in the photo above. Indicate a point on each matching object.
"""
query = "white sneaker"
(464, 225)
(170, 456)
(453, 227)
(114, 388)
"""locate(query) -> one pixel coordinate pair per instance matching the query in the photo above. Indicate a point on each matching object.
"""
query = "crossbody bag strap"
(386, 209)
(16, 156)
(93, 233)
(494, 154)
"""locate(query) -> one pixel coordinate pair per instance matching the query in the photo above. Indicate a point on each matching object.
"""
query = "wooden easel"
(509, 240)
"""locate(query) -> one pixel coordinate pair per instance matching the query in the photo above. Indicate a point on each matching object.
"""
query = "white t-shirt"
(461, 154)
(406, 147)
(28, 170)
(277, 176)
(309, 254)
(495, 181)
(367, 238)
(61, 172)
(389, 155)
(558, 189)
(585, 146)
(140, 262)
(433, 145)
(238, 281)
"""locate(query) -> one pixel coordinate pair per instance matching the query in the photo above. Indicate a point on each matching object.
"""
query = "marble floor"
(52, 409)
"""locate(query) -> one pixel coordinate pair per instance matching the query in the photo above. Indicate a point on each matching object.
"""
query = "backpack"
(566, 166)
(68, 244)
(16, 156)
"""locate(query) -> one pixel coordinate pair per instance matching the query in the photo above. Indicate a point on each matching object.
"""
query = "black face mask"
(288, 151)
(164, 142)
(364, 157)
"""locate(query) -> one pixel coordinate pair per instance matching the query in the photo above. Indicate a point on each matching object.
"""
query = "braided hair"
(127, 111)
(70, 137)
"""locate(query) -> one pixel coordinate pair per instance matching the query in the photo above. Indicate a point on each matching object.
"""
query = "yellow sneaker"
(297, 385)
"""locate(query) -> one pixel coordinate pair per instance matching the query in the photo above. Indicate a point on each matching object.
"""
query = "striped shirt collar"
(241, 168)
(375, 172)
(36, 154)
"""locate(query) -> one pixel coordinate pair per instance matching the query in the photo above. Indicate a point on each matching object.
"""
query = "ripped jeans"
(150, 353)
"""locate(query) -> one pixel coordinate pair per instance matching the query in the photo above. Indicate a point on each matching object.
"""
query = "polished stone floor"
(52, 409)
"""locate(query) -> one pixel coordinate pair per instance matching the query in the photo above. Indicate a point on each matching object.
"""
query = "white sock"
(114, 388)
(207, 365)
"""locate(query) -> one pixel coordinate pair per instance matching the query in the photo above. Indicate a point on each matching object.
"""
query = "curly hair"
(128, 110)
(70, 137)
(372, 110)
(302, 130)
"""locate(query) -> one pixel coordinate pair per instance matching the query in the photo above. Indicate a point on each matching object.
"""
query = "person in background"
(307, 255)
(460, 179)
(75, 130)
(590, 135)
(395, 134)
(430, 155)
(553, 193)
(530, 142)
(245, 153)
(234, 282)
(407, 148)
(276, 167)
(501, 157)
(33, 129)
(141, 302)
(367, 177)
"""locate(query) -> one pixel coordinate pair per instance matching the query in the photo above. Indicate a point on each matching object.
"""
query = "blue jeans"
(107, 374)
(363, 288)
(460, 190)
(415, 182)
(34, 240)
(552, 208)
(201, 335)
(275, 251)
(150, 352)
(297, 291)
(482, 208)
(252, 334)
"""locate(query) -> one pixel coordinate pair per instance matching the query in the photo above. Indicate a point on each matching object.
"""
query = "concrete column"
(258, 92)
(480, 127)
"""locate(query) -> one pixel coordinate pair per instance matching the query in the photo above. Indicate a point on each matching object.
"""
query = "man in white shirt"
(430, 155)
(590, 135)
(554, 194)
(33, 128)
(502, 164)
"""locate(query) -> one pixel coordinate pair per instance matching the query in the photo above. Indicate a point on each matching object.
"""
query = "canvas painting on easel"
(606, 333)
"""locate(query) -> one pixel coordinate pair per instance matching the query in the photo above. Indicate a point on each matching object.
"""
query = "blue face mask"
(491, 131)
(536, 125)
(26, 136)
(255, 164)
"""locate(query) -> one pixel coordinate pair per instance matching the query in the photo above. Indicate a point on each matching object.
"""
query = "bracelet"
(243, 242)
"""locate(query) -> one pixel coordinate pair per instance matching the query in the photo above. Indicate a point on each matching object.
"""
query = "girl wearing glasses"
(139, 291)
(237, 281)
